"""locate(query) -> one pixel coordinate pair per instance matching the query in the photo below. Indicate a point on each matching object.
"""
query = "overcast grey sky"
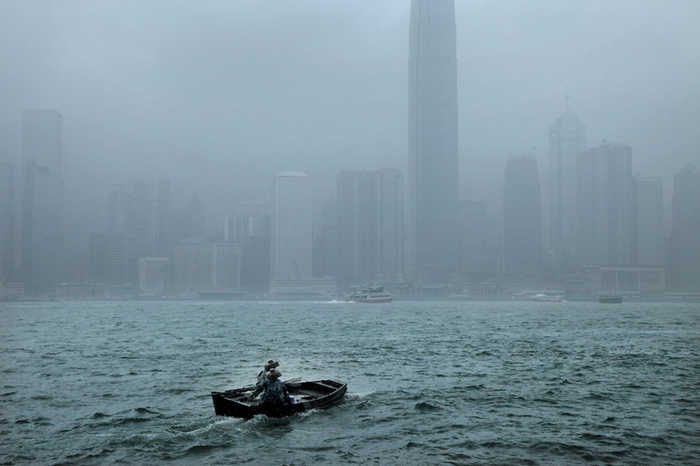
(233, 91)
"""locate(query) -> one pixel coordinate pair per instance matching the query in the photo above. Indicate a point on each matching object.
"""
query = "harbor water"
(428, 382)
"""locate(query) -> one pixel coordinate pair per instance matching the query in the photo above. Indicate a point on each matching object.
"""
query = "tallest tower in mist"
(432, 142)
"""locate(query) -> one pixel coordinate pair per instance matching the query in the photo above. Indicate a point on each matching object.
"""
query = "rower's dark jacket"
(275, 392)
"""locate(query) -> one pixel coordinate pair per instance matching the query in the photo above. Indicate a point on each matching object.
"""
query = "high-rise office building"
(685, 237)
(226, 266)
(138, 219)
(567, 139)
(480, 242)
(98, 259)
(433, 185)
(192, 266)
(163, 224)
(649, 221)
(291, 227)
(250, 228)
(114, 242)
(153, 275)
(370, 227)
(42, 201)
(522, 219)
(605, 204)
(325, 241)
(7, 220)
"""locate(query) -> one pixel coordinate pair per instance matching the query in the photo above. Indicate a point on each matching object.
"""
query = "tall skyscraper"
(98, 259)
(370, 227)
(325, 242)
(250, 228)
(42, 201)
(522, 218)
(685, 236)
(226, 266)
(153, 273)
(567, 139)
(649, 221)
(163, 222)
(291, 227)
(433, 185)
(138, 219)
(192, 266)
(605, 204)
(479, 242)
(115, 243)
(7, 220)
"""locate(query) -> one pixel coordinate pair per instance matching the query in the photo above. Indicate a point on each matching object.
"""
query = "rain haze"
(349, 231)
(235, 91)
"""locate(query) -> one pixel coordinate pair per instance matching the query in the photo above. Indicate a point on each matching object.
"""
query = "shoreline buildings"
(432, 180)
(522, 219)
(567, 139)
(684, 254)
(291, 227)
(7, 221)
(649, 222)
(42, 201)
(605, 204)
(370, 227)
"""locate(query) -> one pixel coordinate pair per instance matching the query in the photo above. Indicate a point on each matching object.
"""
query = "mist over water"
(427, 382)
(514, 162)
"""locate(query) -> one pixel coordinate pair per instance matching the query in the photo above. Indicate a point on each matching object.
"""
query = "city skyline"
(151, 213)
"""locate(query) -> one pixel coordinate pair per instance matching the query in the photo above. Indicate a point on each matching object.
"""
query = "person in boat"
(275, 393)
(262, 377)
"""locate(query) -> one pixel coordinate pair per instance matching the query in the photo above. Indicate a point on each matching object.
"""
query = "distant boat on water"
(373, 294)
(610, 299)
(547, 298)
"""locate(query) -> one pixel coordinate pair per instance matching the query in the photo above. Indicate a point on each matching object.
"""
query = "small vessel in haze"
(547, 298)
(610, 299)
(372, 294)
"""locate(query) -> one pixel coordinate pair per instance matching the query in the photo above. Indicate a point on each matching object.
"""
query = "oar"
(294, 380)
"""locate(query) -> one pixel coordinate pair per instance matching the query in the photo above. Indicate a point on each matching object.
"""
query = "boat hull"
(373, 300)
(610, 299)
(318, 394)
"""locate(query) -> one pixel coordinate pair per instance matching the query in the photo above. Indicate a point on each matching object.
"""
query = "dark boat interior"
(301, 391)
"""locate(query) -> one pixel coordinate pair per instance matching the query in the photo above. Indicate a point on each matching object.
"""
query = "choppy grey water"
(427, 382)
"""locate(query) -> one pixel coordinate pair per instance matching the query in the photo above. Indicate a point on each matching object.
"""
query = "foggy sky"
(233, 91)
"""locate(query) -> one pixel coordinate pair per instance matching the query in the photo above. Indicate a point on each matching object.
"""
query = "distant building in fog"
(42, 201)
(256, 244)
(192, 266)
(480, 242)
(250, 227)
(567, 139)
(138, 227)
(226, 266)
(325, 241)
(605, 204)
(433, 174)
(685, 231)
(370, 227)
(522, 218)
(98, 259)
(7, 221)
(291, 227)
(649, 221)
(163, 221)
(153, 275)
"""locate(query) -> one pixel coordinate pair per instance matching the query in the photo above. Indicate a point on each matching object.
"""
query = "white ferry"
(373, 294)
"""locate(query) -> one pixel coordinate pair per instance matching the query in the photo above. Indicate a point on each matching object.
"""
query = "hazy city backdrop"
(299, 149)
